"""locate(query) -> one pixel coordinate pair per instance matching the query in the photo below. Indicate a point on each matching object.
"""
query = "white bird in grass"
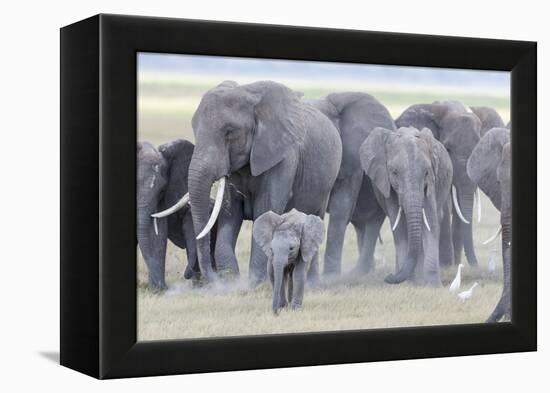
(467, 294)
(492, 266)
(455, 285)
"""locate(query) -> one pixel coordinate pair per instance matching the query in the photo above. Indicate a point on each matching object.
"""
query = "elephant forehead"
(219, 108)
(285, 235)
(406, 149)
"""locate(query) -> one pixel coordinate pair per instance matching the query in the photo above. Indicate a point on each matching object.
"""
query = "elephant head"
(253, 125)
(161, 180)
(288, 240)
(404, 167)
(459, 131)
(489, 118)
(490, 167)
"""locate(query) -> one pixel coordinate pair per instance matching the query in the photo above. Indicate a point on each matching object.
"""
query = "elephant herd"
(282, 162)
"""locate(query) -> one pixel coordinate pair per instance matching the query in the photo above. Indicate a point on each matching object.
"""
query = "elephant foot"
(295, 306)
(228, 274)
(157, 286)
(393, 279)
(314, 282)
(332, 267)
(255, 282)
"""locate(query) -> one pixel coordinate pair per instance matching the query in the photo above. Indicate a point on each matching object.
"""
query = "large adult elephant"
(459, 131)
(278, 153)
(489, 167)
(352, 198)
(161, 180)
(411, 173)
(489, 118)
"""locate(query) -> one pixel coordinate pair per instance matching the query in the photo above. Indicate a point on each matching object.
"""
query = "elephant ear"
(263, 230)
(177, 155)
(178, 149)
(313, 233)
(485, 159)
(504, 163)
(372, 154)
(279, 127)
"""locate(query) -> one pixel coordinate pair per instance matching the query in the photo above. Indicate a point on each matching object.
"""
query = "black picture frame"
(98, 147)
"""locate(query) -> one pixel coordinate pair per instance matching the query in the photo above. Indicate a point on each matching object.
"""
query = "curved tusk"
(179, 204)
(397, 219)
(215, 211)
(493, 237)
(156, 226)
(426, 220)
(457, 207)
(478, 205)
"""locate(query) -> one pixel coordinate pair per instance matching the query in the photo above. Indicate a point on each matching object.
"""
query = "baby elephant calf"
(290, 242)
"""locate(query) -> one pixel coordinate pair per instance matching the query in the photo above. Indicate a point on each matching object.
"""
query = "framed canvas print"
(239, 196)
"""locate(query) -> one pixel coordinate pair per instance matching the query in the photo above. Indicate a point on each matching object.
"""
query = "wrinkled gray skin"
(489, 166)
(352, 199)
(459, 132)
(161, 180)
(290, 241)
(278, 153)
(489, 118)
(411, 169)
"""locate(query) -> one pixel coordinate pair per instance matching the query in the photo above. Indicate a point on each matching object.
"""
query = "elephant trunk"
(466, 200)
(414, 216)
(152, 243)
(278, 282)
(200, 182)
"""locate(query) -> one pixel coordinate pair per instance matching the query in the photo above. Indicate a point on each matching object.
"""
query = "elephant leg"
(298, 284)
(313, 272)
(359, 234)
(340, 207)
(229, 225)
(271, 274)
(371, 231)
(290, 285)
(503, 308)
(458, 242)
(445, 240)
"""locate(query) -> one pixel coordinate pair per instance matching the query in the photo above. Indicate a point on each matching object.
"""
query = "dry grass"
(354, 302)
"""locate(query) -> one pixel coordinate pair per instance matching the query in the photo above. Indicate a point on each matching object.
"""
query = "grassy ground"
(354, 302)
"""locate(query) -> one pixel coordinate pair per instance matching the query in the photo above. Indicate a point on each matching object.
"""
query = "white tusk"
(179, 204)
(397, 219)
(426, 220)
(493, 237)
(215, 211)
(457, 207)
(156, 226)
(478, 205)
